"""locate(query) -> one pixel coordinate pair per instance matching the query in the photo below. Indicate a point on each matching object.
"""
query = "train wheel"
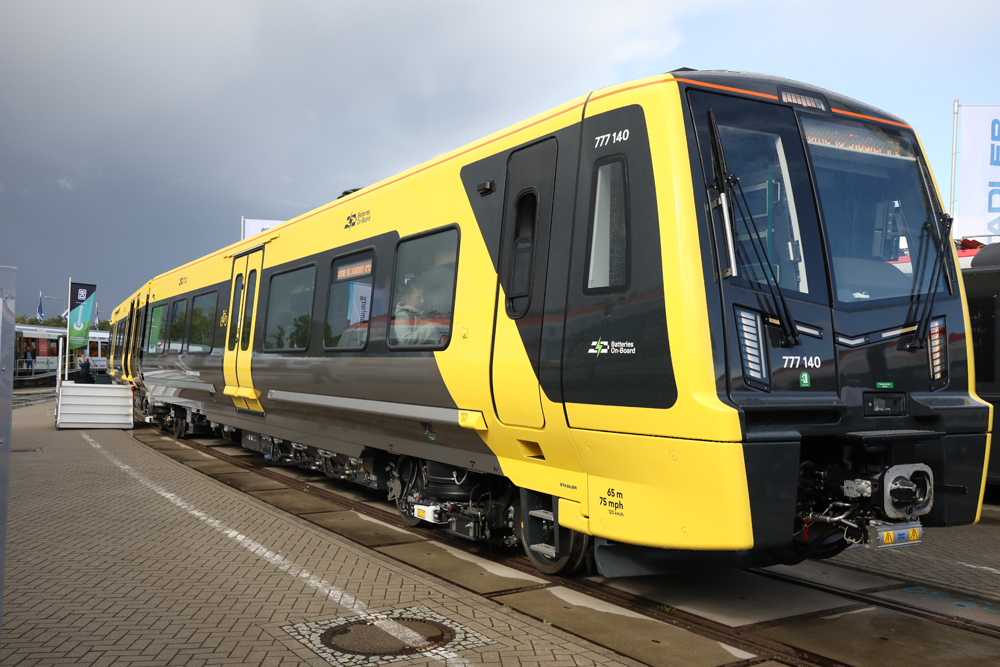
(578, 546)
(409, 473)
(180, 425)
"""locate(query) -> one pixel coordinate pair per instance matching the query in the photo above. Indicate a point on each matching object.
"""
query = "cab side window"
(423, 292)
(607, 247)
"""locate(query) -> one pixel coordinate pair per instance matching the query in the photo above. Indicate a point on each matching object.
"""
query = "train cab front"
(840, 326)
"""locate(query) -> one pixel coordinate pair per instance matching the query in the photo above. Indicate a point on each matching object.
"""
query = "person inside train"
(410, 325)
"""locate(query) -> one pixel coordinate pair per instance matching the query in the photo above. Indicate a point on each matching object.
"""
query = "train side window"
(423, 291)
(234, 321)
(202, 323)
(349, 309)
(157, 330)
(289, 309)
(607, 244)
(178, 320)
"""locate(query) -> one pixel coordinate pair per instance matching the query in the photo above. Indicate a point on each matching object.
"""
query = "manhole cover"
(382, 638)
(387, 637)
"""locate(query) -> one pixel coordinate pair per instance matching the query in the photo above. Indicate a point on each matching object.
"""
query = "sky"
(134, 136)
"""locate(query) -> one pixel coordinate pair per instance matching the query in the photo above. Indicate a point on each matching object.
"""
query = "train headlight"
(937, 352)
(753, 352)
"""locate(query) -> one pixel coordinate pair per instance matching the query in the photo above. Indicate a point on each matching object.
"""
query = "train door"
(142, 304)
(524, 248)
(616, 355)
(127, 351)
(241, 320)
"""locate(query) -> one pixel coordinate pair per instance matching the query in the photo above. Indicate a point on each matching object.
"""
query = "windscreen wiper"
(727, 184)
(939, 266)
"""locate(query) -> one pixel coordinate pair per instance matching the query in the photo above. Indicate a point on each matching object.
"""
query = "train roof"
(772, 86)
(38, 331)
(734, 81)
(987, 257)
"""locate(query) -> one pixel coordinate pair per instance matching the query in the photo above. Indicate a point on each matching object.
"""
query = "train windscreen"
(881, 230)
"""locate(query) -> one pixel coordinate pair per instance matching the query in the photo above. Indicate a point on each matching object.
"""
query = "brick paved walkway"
(966, 558)
(117, 555)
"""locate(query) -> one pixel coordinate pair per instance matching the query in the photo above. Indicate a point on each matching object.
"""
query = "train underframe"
(865, 492)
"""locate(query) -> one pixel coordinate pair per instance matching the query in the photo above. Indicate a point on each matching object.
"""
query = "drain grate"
(380, 639)
(386, 637)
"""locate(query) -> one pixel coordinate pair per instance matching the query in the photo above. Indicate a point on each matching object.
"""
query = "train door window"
(349, 309)
(522, 253)
(289, 309)
(94, 349)
(157, 332)
(246, 334)
(424, 290)
(234, 321)
(202, 323)
(178, 321)
(608, 251)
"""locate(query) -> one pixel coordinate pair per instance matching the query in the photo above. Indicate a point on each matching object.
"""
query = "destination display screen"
(872, 140)
(357, 269)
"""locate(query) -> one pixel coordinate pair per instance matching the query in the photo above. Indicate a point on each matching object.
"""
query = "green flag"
(80, 314)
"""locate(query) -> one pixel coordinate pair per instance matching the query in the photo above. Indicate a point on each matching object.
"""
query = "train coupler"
(879, 535)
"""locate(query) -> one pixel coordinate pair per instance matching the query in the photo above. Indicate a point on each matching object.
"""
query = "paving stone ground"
(118, 555)
(966, 558)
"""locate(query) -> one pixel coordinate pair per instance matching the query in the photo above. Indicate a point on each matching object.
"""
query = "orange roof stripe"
(875, 118)
(732, 90)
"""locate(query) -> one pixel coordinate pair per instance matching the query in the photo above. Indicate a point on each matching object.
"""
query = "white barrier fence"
(94, 406)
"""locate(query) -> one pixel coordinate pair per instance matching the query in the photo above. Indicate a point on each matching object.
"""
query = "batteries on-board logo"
(600, 347)
(358, 218)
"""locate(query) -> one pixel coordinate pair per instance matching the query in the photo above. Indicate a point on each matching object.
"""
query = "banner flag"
(978, 211)
(39, 314)
(254, 227)
(359, 303)
(81, 307)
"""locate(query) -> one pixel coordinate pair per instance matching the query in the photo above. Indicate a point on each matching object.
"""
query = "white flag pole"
(954, 153)
(69, 302)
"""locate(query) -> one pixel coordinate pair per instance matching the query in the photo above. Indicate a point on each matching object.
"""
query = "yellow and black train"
(704, 319)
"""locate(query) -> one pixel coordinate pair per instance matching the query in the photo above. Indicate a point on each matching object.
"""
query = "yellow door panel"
(248, 318)
(515, 386)
(231, 317)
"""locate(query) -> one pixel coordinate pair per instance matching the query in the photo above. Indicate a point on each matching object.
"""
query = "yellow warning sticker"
(914, 534)
(887, 538)
(421, 513)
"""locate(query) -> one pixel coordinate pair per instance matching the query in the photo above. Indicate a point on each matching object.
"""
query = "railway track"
(26, 398)
(748, 638)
